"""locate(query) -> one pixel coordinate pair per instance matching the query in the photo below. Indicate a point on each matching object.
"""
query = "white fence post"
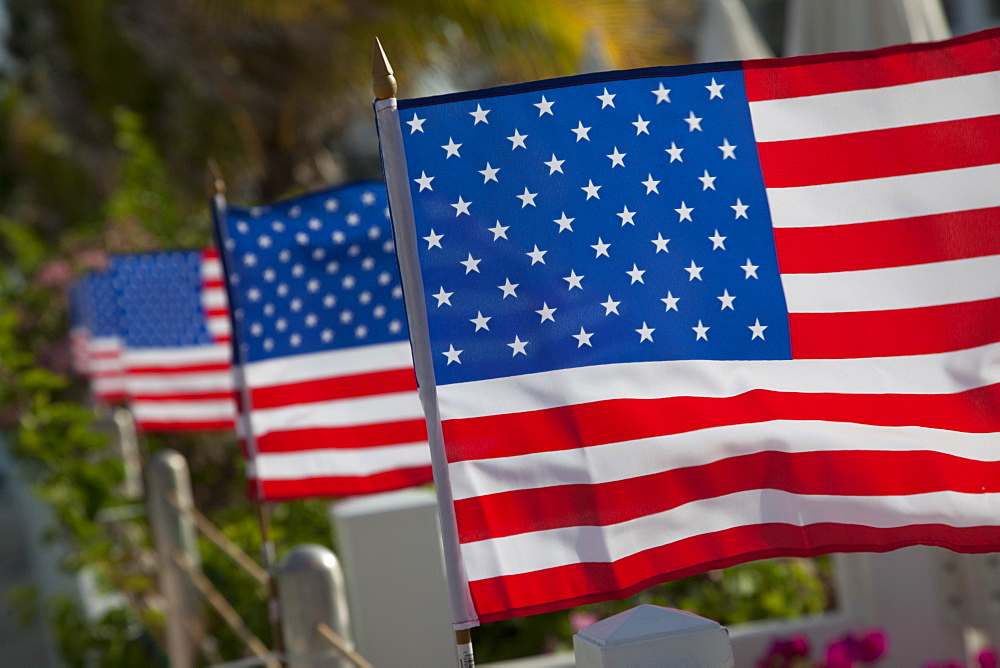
(174, 537)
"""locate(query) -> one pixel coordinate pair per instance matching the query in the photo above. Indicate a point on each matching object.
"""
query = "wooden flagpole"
(384, 87)
(262, 508)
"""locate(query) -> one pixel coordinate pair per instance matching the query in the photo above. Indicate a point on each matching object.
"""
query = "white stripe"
(219, 326)
(184, 411)
(177, 357)
(108, 384)
(214, 298)
(160, 383)
(306, 464)
(211, 268)
(103, 344)
(339, 413)
(887, 198)
(105, 365)
(954, 98)
(942, 373)
(891, 288)
(529, 552)
(629, 459)
(333, 363)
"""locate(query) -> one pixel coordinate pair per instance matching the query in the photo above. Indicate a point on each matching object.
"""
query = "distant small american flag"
(94, 336)
(175, 329)
(680, 318)
(331, 405)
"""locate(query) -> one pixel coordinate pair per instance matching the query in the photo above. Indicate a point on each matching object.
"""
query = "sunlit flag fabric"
(681, 318)
(321, 332)
(176, 333)
(95, 337)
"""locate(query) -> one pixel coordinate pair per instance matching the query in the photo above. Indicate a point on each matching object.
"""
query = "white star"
(685, 212)
(433, 240)
(555, 165)
(508, 289)
(480, 115)
(490, 173)
(626, 216)
(715, 90)
(728, 150)
(617, 159)
(694, 271)
(640, 126)
(610, 306)
(527, 198)
(646, 333)
(670, 301)
(573, 280)
(701, 331)
(740, 208)
(396, 327)
(564, 223)
(583, 338)
(660, 243)
(707, 181)
(607, 99)
(537, 256)
(452, 148)
(675, 153)
(544, 107)
(636, 274)
(546, 312)
(480, 321)
(581, 132)
(601, 248)
(727, 301)
(517, 140)
(694, 123)
(416, 124)
(461, 206)
(651, 185)
(662, 94)
(757, 329)
(591, 189)
(443, 297)
(452, 354)
(717, 241)
(471, 264)
(518, 346)
(499, 230)
(750, 269)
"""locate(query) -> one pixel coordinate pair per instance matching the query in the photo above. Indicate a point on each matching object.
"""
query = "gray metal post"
(174, 536)
(311, 592)
(128, 444)
(649, 636)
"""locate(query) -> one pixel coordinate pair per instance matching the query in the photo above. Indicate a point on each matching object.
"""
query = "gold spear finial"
(383, 83)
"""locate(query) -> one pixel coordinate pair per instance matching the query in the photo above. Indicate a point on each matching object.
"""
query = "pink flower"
(579, 619)
(872, 645)
(54, 273)
(783, 653)
(988, 658)
(92, 259)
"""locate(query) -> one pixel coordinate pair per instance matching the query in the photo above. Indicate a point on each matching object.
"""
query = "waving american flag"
(95, 336)
(680, 318)
(331, 402)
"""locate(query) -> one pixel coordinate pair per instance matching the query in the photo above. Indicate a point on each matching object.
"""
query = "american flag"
(331, 399)
(95, 341)
(682, 318)
(176, 334)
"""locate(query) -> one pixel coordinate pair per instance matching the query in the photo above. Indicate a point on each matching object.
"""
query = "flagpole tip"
(383, 83)
(218, 184)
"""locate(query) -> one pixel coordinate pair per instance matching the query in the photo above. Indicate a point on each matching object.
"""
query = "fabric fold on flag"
(175, 327)
(330, 402)
(682, 318)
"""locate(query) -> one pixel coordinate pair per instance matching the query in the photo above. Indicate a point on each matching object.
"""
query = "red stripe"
(908, 63)
(616, 420)
(358, 436)
(184, 396)
(880, 153)
(916, 331)
(888, 243)
(187, 368)
(185, 425)
(212, 283)
(341, 387)
(217, 312)
(841, 473)
(286, 490)
(576, 584)
(110, 397)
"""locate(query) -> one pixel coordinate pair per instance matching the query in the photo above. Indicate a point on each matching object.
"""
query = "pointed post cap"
(383, 83)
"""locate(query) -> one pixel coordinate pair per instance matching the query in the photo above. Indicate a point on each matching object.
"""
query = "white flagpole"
(404, 232)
